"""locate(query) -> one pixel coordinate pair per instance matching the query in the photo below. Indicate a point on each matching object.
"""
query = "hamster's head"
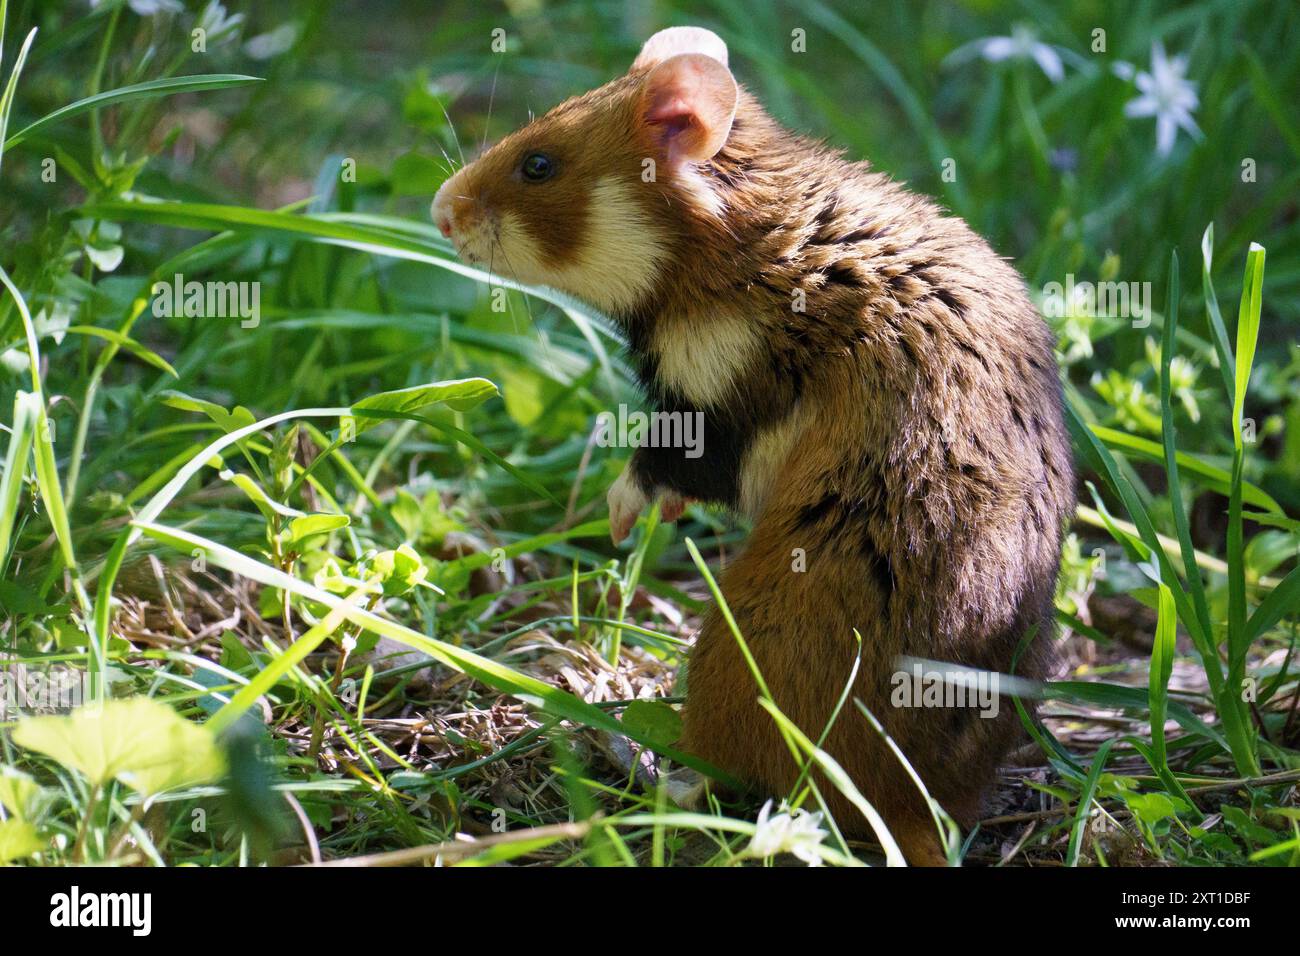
(592, 197)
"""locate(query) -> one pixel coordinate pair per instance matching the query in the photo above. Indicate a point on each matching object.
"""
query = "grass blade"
(7, 99)
(1162, 667)
(1216, 479)
(142, 352)
(1282, 600)
(1238, 636)
(26, 414)
(1096, 455)
(1122, 697)
(47, 481)
(1085, 802)
(1169, 436)
(150, 89)
(1219, 332)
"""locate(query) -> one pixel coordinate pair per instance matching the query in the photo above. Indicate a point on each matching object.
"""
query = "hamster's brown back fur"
(907, 471)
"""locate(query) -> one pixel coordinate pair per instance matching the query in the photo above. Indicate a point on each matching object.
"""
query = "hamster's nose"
(450, 207)
(441, 213)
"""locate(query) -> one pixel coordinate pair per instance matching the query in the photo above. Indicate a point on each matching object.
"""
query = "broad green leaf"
(47, 480)
(139, 741)
(17, 599)
(308, 526)
(1247, 332)
(19, 792)
(1151, 807)
(460, 395)
(423, 520)
(229, 421)
(1162, 666)
(1247, 826)
(18, 839)
(400, 570)
(653, 720)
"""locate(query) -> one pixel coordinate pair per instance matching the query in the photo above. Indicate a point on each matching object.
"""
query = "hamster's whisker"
(491, 98)
(547, 357)
(513, 317)
(455, 138)
(450, 164)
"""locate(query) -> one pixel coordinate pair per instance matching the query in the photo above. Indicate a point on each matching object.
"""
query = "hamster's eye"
(537, 167)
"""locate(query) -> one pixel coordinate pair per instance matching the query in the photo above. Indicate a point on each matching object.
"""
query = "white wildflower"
(216, 25)
(148, 8)
(52, 324)
(151, 8)
(1023, 44)
(1167, 95)
(797, 832)
(268, 45)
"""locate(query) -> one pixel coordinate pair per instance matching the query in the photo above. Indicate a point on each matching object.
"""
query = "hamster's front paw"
(626, 501)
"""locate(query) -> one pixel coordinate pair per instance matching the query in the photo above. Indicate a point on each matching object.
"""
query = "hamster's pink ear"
(669, 43)
(688, 103)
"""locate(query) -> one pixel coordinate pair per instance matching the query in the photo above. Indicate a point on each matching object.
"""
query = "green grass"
(226, 519)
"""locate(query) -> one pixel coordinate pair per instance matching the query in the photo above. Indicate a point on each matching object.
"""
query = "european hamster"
(879, 395)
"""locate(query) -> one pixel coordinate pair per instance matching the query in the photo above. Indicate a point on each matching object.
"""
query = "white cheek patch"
(617, 262)
(622, 252)
(703, 357)
(513, 251)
